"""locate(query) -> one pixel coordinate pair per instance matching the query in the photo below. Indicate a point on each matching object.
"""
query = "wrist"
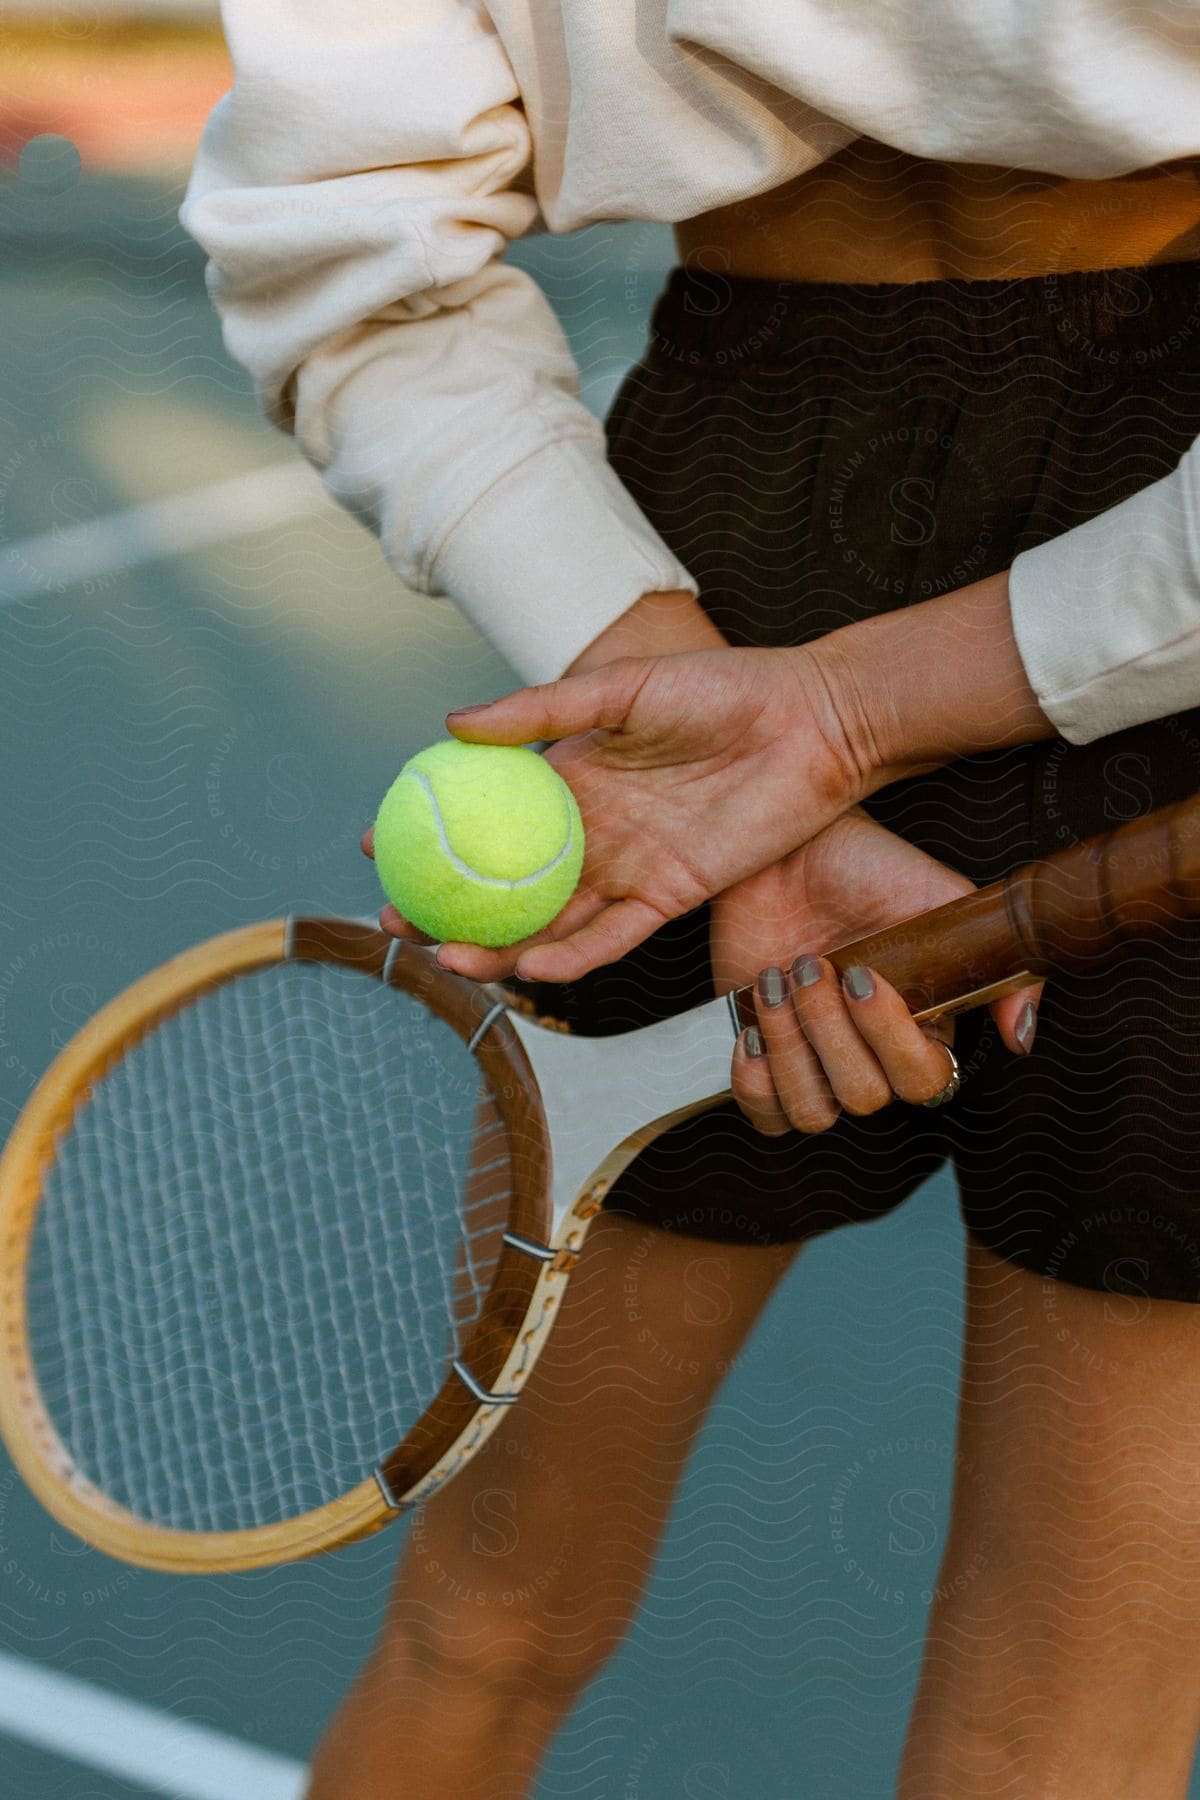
(932, 682)
(659, 624)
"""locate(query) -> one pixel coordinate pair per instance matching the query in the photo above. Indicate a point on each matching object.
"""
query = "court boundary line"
(52, 562)
(107, 1732)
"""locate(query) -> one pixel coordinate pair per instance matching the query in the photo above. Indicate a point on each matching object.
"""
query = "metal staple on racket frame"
(527, 1247)
(389, 1498)
(485, 1024)
(477, 1388)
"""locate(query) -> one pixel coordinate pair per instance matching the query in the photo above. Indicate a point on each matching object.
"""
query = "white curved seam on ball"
(464, 868)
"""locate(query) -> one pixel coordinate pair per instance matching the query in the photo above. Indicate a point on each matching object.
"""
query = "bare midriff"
(873, 214)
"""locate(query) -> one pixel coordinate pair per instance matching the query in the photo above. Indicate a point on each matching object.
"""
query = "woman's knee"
(508, 1651)
(450, 1688)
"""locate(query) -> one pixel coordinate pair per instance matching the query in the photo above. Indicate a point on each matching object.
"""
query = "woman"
(916, 421)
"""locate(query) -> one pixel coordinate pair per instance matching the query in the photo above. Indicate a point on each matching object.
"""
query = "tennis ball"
(478, 842)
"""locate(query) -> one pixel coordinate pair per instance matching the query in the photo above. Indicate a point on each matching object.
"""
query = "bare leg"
(1063, 1658)
(520, 1580)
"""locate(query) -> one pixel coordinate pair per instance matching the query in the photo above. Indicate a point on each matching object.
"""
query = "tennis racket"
(285, 1226)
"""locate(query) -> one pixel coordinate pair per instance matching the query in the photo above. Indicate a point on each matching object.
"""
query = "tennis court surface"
(207, 677)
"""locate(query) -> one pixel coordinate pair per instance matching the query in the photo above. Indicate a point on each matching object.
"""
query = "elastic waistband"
(1092, 319)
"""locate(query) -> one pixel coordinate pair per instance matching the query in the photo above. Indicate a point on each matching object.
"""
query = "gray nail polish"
(860, 983)
(1027, 1026)
(806, 971)
(772, 987)
(754, 1043)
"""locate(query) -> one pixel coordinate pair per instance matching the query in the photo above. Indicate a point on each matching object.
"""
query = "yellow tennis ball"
(478, 842)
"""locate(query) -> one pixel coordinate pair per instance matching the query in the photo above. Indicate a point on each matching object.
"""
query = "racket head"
(495, 1353)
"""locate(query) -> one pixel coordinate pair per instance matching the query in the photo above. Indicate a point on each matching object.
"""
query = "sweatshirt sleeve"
(1107, 616)
(355, 192)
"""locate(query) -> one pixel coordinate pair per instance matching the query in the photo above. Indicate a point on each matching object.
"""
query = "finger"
(1016, 1017)
(595, 701)
(366, 842)
(612, 934)
(478, 963)
(914, 1062)
(851, 1066)
(753, 1087)
(800, 1081)
(397, 926)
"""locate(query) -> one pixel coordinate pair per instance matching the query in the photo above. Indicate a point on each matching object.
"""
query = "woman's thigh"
(519, 1579)
(560, 1515)
(1063, 1657)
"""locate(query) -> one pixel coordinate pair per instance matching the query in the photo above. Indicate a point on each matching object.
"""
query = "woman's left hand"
(692, 771)
(833, 1044)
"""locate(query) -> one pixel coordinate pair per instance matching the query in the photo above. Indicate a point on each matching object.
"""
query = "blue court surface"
(207, 678)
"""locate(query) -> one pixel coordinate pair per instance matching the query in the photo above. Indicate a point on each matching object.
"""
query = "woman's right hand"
(826, 1044)
(691, 772)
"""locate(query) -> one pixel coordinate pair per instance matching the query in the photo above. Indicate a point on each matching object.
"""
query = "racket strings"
(261, 1245)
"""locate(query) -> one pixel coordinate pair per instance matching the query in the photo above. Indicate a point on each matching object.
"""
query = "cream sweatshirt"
(357, 188)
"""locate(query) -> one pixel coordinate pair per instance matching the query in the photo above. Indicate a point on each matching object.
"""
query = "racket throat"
(606, 1098)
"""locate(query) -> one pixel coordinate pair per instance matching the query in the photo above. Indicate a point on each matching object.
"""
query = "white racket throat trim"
(601, 1093)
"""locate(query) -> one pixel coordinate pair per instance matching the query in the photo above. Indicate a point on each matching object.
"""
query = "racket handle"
(1058, 915)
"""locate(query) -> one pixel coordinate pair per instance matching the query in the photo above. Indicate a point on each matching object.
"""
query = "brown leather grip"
(1063, 913)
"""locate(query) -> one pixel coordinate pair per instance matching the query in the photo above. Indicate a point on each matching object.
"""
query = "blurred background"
(208, 677)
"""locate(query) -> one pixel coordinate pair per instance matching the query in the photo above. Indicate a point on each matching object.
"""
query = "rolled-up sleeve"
(355, 192)
(1107, 616)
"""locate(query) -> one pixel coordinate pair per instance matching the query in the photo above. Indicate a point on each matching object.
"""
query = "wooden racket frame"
(1065, 913)
(500, 1348)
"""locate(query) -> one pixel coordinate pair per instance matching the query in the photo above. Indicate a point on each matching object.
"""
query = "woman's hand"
(828, 1044)
(691, 771)
(694, 771)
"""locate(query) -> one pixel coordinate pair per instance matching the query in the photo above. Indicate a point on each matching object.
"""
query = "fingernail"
(1027, 1026)
(806, 971)
(457, 712)
(753, 1040)
(437, 957)
(772, 988)
(860, 983)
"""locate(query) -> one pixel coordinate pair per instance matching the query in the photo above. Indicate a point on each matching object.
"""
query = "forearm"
(659, 624)
(930, 683)
(903, 691)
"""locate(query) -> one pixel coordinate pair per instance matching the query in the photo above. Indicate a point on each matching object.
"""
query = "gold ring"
(952, 1086)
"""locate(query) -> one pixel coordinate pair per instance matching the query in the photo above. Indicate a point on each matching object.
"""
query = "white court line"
(102, 1729)
(58, 559)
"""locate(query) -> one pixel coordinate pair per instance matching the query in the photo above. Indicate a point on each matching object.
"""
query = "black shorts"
(819, 453)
